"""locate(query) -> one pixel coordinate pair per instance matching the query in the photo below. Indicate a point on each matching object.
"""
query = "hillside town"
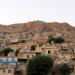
(27, 45)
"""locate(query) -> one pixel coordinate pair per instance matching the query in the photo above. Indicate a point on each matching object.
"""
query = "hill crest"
(37, 26)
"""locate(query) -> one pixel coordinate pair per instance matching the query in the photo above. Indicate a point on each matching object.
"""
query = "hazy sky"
(16, 11)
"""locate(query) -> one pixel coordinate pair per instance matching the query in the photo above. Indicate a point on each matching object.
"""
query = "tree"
(65, 70)
(39, 65)
(22, 41)
(33, 47)
(6, 51)
(55, 40)
(60, 40)
(50, 36)
(50, 39)
(17, 51)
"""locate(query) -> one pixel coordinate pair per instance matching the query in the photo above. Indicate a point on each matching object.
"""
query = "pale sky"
(19, 11)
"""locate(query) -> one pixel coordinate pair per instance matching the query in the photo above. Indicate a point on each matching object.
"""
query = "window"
(7, 60)
(1, 60)
(3, 70)
(38, 53)
(32, 56)
(9, 71)
(49, 52)
(27, 56)
(13, 60)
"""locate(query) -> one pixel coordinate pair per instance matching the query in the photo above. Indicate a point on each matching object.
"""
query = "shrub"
(39, 65)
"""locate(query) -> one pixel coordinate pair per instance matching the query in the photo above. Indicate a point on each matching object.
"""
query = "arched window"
(27, 56)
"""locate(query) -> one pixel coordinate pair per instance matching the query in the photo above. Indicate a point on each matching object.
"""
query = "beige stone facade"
(6, 70)
(26, 55)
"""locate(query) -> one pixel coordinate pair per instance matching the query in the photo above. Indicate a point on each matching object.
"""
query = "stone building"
(26, 54)
(6, 70)
(48, 50)
(7, 65)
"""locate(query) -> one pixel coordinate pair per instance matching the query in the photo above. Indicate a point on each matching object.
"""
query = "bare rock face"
(37, 26)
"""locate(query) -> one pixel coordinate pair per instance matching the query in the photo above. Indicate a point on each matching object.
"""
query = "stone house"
(66, 53)
(26, 54)
(48, 50)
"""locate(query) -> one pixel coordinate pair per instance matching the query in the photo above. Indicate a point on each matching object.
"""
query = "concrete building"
(7, 65)
(6, 70)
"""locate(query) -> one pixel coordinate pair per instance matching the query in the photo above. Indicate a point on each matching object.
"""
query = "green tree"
(17, 51)
(22, 41)
(65, 70)
(33, 47)
(40, 65)
(60, 40)
(6, 51)
(55, 40)
(50, 36)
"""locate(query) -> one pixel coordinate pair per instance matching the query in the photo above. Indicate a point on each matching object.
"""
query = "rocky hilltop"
(37, 26)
